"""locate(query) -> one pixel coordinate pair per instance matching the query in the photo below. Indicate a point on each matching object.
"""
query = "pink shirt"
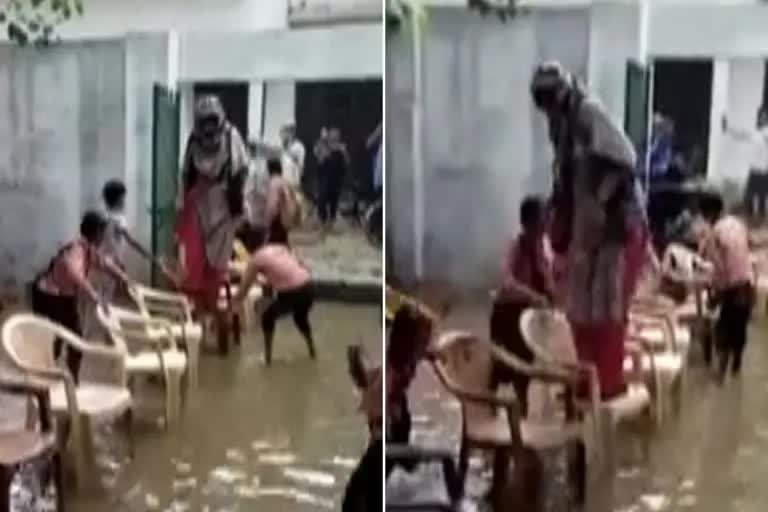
(728, 249)
(73, 262)
(531, 265)
(281, 268)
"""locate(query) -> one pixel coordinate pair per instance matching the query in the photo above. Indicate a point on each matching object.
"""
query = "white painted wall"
(743, 92)
(707, 28)
(345, 51)
(108, 18)
(614, 38)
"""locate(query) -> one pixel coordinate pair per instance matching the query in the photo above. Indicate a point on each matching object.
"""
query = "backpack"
(291, 207)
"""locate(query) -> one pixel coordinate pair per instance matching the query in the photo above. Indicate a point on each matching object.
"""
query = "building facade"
(81, 112)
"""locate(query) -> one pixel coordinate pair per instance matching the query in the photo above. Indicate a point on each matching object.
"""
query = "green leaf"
(37, 3)
(17, 33)
(3, 17)
(79, 7)
(66, 12)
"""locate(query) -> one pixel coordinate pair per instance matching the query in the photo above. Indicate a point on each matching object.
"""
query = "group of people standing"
(585, 249)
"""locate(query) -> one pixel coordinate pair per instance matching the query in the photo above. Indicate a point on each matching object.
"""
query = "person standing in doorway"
(293, 156)
(334, 162)
(756, 190)
(598, 224)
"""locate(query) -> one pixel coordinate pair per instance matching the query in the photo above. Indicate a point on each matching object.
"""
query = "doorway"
(353, 106)
(682, 93)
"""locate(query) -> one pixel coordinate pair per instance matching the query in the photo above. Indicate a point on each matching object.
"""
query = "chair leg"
(237, 332)
(129, 433)
(58, 481)
(463, 466)
(501, 459)
(6, 476)
(172, 398)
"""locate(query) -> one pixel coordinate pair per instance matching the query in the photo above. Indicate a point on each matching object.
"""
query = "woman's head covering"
(208, 150)
(550, 84)
(209, 122)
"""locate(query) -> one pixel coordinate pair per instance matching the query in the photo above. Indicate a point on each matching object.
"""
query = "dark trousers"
(363, 493)
(505, 332)
(297, 302)
(330, 192)
(278, 234)
(731, 329)
(398, 427)
(62, 310)
(756, 194)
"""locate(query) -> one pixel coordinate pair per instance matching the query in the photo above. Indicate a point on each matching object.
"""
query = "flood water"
(284, 438)
(711, 457)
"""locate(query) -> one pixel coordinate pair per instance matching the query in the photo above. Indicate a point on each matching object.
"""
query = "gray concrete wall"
(62, 134)
(147, 63)
(484, 146)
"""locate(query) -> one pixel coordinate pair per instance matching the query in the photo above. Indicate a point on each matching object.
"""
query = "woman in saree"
(211, 208)
(597, 221)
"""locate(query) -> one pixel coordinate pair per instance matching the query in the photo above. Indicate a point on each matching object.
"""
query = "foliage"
(398, 11)
(34, 21)
(504, 9)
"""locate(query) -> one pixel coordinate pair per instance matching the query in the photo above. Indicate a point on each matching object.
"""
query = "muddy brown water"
(284, 438)
(710, 457)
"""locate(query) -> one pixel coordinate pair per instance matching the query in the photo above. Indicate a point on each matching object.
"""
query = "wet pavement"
(284, 438)
(711, 457)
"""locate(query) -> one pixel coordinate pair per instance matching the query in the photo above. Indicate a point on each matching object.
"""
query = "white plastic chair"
(548, 334)
(149, 354)
(29, 342)
(175, 308)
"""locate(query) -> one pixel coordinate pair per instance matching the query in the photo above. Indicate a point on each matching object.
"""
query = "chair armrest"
(470, 395)
(35, 390)
(549, 372)
(177, 301)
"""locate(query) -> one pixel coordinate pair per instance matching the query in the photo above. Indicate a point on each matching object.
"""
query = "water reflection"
(712, 457)
(279, 439)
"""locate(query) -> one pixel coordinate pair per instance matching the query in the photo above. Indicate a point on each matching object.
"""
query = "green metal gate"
(165, 171)
(636, 103)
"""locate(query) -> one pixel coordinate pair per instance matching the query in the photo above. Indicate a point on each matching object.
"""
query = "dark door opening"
(234, 98)
(682, 92)
(352, 106)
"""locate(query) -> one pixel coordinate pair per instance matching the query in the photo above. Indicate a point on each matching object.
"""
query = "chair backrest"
(124, 327)
(29, 341)
(158, 304)
(465, 359)
(548, 334)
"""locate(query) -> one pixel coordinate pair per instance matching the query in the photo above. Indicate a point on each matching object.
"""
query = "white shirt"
(757, 141)
(758, 149)
(293, 162)
(256, 191)
(113, 244)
